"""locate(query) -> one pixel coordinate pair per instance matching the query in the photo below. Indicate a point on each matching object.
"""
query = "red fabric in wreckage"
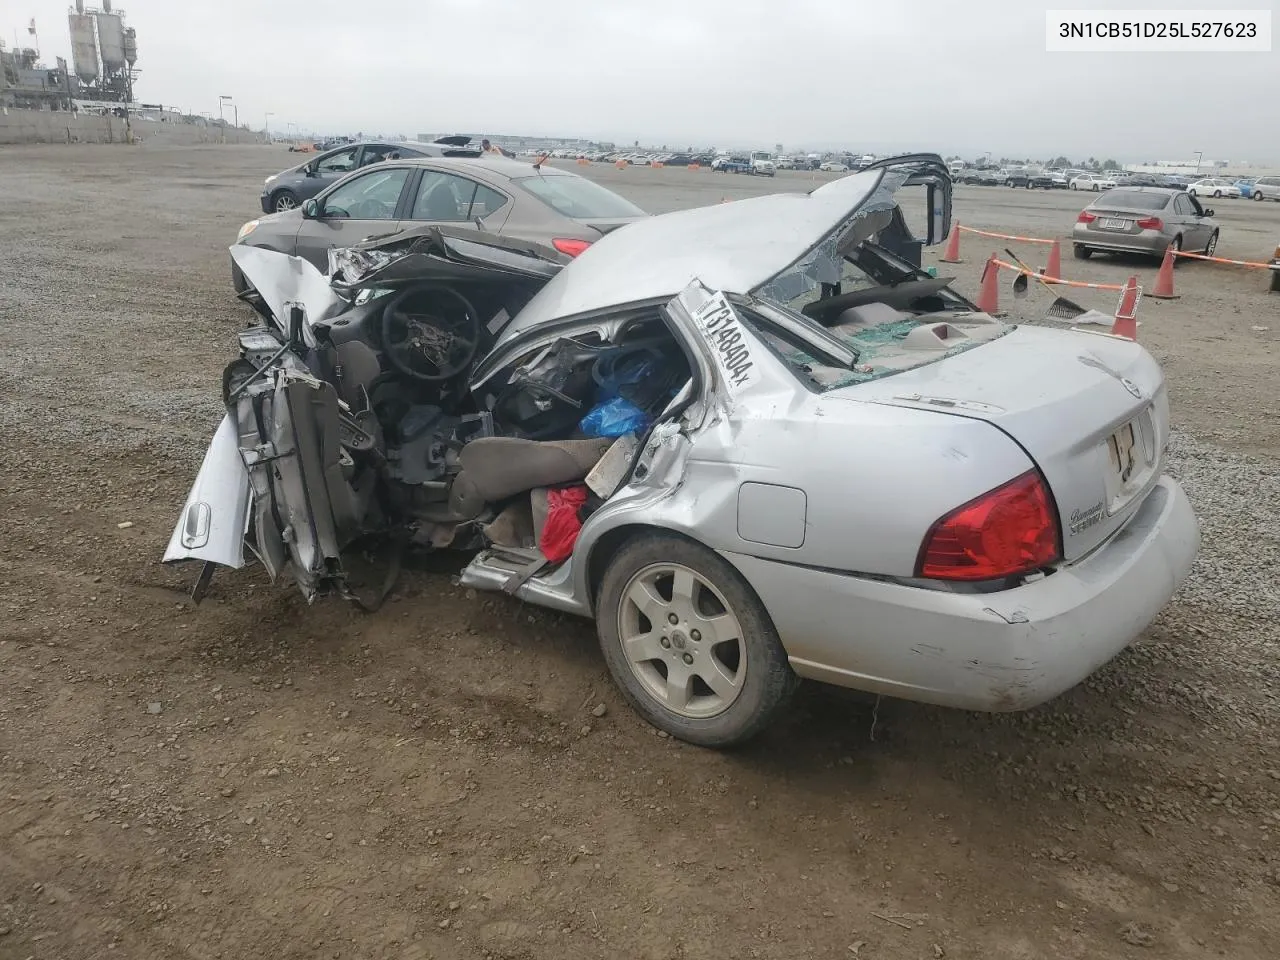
(560, 532)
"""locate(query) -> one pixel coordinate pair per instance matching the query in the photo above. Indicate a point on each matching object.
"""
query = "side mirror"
(310, 170)
(311, 209)
(1207, 213)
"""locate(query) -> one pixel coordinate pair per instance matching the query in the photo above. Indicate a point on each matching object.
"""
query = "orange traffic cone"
(1054, 270)
(1163, 289)
(989, 299)
(953, 247)
(1126, 324)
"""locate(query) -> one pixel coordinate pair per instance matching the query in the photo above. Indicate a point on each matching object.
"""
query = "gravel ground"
(454, 775)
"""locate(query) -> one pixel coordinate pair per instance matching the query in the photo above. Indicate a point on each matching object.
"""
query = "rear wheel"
(689, 643)
(1081, 251)
(284, 200)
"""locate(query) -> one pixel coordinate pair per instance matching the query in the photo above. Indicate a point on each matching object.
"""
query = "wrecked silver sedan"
(753, 441)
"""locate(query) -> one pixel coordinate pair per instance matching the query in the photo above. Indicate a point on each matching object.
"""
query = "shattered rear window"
(802, 283)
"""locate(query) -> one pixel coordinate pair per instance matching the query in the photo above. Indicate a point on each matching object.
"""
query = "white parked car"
(867, 482)
(784, 163)
(1092, 181)
(834, 166)
(1214, 187)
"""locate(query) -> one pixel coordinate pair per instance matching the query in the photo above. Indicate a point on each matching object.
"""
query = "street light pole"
(266, 127)
(1199, 154)
(222, 120)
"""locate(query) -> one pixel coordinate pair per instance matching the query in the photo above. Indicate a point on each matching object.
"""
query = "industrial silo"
(111, 41)
(84, 47)
(131, 46)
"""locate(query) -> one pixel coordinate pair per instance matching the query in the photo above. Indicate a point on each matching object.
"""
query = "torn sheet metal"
(282, 280)
(435, 253)
(213, 521)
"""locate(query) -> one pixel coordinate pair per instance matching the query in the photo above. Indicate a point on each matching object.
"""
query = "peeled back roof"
(731, 247)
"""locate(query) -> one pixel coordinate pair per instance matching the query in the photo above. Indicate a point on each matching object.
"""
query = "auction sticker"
(719, 325)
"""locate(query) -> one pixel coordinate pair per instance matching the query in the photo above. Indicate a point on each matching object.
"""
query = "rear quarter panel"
(875, 478)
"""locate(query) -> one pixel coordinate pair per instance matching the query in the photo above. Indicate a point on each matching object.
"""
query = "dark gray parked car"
(288, 188)
(513, 198)
(1145, 220)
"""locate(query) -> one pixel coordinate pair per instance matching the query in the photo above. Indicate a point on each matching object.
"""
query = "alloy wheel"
(682, 641)
(285, 201)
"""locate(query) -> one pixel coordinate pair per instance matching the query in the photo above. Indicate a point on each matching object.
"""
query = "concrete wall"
(42, 126)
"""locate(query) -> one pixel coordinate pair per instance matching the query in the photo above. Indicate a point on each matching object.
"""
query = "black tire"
(769, 680)
(1212, 245)
(1096, 188)
(1275, 281)
(1074, 187)
(1255, 195)
(1175, 245)
(1081, 252)
(283, 200)
(1217, 194)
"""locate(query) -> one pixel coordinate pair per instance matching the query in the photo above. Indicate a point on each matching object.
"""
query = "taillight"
(1009, 531)
(1086, 217)
(570, 248)
(1151, 223)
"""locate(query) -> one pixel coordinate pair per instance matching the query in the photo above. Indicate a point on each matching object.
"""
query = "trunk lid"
(1090, 410)
(607, 224)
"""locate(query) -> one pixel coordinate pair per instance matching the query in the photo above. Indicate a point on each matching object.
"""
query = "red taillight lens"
(570, 248)
(1151, 223)
(1009, 531)
(1085, 217)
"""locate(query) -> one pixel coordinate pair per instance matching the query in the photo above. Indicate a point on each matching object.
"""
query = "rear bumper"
(1002, 651)
(1151, 242)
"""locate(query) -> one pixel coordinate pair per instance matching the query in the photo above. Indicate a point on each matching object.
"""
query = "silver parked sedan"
(489, 194)
(750, 440)
(1144, 220)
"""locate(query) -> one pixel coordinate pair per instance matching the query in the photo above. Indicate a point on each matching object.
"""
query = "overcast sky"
(948, 75)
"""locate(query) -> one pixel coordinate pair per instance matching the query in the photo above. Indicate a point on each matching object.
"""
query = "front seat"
(496, 468)
(441, 203)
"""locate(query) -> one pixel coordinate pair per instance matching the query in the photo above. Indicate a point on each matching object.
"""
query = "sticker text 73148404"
(718, 323)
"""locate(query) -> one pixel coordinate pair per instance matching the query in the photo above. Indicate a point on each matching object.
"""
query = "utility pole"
(266, 127)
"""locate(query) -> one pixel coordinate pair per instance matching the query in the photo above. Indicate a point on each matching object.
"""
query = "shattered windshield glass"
(862, 285)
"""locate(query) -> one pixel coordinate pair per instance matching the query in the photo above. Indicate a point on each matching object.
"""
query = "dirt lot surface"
(454, 776)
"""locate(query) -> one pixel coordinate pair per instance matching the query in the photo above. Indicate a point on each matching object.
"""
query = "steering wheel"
(430, 332)
(369, 210)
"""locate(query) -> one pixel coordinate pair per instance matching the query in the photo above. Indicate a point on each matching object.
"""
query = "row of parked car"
(1256, 188)
(754, 161)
